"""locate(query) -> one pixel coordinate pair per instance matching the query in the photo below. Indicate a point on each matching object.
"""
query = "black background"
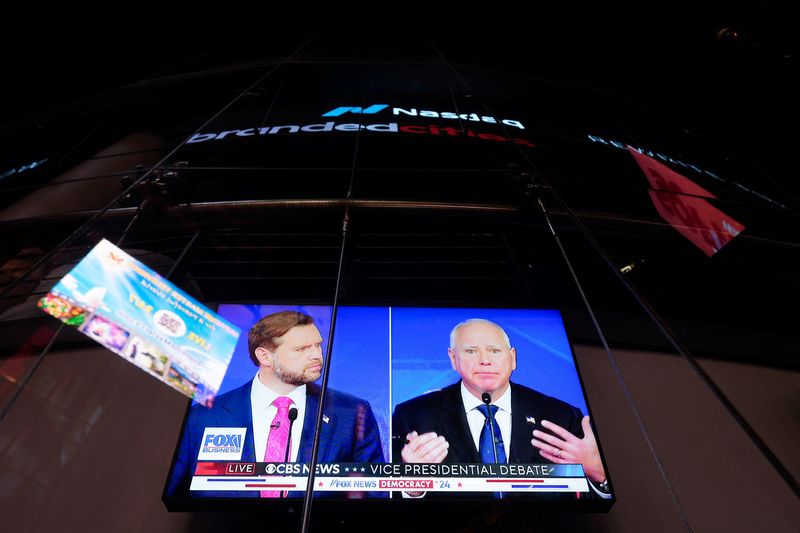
(667, 57)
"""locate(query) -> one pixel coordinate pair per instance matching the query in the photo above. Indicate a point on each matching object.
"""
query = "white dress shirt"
(261, 398)
(476, 420)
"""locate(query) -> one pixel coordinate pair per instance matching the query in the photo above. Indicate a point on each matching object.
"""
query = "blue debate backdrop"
(387, 355)
(360, 362)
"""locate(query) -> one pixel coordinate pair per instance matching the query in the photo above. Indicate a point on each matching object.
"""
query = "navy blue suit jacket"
(442, 412)
(349, 436)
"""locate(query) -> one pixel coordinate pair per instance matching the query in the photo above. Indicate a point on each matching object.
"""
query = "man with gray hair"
(453, 425)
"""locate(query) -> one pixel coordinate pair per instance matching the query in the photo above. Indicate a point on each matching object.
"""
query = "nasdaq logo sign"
(426, 113)
(222, 444)
(371, 110)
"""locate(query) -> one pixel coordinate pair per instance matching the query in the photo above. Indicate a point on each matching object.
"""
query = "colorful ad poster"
(137, 314)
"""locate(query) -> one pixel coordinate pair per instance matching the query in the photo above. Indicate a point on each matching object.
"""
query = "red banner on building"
(682, 203)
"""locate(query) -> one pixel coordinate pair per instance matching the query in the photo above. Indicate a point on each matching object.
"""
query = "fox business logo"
(222, 444)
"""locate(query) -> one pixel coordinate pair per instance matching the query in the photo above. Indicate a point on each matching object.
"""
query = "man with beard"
(287, 349)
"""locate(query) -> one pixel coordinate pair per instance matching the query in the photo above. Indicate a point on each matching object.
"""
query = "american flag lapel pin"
(530, 420)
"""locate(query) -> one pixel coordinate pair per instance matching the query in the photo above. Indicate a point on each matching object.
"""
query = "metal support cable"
(684, 352)
(670, 335)
(86, 225)
(24, 381)
(181, 257)
(612, 359)
(618, 373)
(308, 497)
(326, 368)
(527, 293)
(132, 222)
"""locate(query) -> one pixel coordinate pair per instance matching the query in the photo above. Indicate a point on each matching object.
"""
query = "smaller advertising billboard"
(133, 311)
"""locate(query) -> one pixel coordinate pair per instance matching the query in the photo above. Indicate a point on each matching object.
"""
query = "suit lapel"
(238, 412)
(454, 422)
(309, 421)
(522, 451)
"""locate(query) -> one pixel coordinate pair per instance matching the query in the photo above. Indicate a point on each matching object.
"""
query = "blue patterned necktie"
(486, 450)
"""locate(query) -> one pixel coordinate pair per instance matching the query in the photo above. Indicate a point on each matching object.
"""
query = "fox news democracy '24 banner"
(134, 312)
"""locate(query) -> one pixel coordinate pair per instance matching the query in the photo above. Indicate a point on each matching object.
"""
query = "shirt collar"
(262, 396)
(471, 402)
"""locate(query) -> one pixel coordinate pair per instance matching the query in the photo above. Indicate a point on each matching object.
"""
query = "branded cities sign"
(508, 127)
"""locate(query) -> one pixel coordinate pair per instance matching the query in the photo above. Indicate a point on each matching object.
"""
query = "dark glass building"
(413, 171)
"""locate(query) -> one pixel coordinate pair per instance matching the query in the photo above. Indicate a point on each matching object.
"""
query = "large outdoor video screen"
(422, 404)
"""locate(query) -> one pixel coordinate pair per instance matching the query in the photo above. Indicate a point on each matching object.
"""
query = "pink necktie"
(278, 440)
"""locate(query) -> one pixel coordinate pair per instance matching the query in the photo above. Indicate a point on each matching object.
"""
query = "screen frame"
(338, 508)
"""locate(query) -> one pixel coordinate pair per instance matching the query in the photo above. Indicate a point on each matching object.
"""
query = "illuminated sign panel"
(385, 127)
(122, 304)
(366, 111)
(392, 381)
(413, 112)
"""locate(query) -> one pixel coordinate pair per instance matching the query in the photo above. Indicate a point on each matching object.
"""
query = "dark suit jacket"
(442, 412)
(350, 436)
